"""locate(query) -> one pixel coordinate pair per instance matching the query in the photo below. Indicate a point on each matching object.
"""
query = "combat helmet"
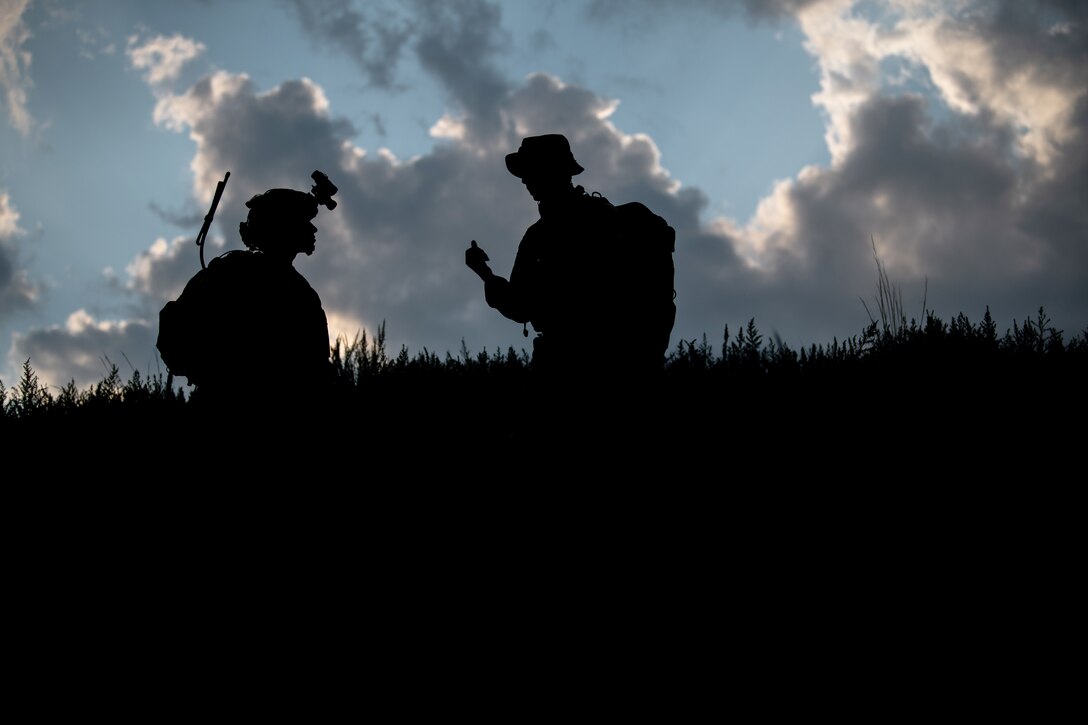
(274, 209)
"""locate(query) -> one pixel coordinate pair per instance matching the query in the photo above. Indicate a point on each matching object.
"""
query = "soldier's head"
(280, 221)
(545, 164)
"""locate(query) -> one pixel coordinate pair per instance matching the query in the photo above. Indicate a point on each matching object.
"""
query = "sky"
(784, 140)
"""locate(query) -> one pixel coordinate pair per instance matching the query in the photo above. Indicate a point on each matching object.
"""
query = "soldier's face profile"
(296, 233)
(307, 236)
(541, 186)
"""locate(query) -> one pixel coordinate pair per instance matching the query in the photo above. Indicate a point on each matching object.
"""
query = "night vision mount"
(323, 190)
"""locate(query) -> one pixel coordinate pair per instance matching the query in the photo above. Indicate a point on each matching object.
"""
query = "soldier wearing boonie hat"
(547, 154)
(560, 280)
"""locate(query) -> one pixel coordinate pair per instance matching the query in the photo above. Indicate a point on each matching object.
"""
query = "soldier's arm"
(510, 297)
(505, 295)
(495, 287)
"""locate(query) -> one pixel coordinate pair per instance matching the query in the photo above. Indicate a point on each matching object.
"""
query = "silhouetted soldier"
(574, 279)
(596, 283)
(249, 331)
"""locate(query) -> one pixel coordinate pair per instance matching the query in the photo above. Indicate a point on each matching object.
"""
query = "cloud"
(15, 63)
(160, 273)
(279, 135)
(457, 42)
(83, 348)
(645, 13)
(1028, 77)
(372, 36)
(967, 180)
(965, 198)
(17, 291)
(995, 59)
(956, 133)
(162, 57)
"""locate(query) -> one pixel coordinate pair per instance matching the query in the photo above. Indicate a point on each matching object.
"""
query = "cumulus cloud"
(83, 348)
(160, 273)
(162, 57)
(954, 193)
(983, 58)
(981, 200)
(17, 291)
(15, 63)
(257, 136)
(956, 133)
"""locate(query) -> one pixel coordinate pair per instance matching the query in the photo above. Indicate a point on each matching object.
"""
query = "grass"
(896, 385)
(891, 355)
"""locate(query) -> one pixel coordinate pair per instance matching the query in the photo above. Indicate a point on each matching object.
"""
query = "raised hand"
(476, 259)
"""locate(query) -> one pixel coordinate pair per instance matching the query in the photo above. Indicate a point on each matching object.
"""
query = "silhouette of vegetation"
(929, 375)
(908, 391)
(606, 257)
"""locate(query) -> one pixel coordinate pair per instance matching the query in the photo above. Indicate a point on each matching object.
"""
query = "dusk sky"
(778, 138)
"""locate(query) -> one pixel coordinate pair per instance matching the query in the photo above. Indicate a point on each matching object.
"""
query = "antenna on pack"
(208, 218)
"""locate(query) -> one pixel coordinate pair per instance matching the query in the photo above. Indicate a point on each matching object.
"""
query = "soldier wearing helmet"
(256, 336)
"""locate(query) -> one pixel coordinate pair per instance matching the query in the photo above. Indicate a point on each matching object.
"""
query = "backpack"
(241, 299)
(648, 270)
(180, 341)
(187, 325)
